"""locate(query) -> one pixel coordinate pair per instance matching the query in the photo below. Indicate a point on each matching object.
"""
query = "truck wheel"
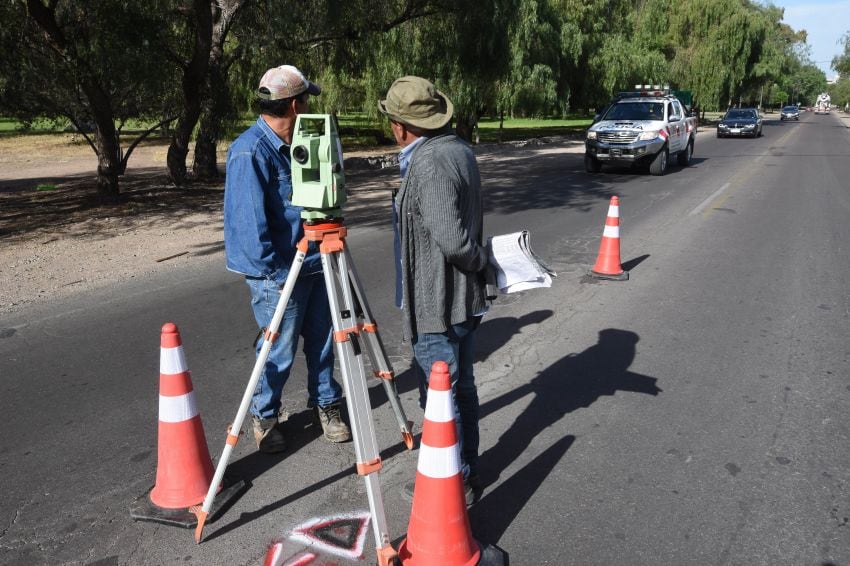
(685, 155)
(659, 163)
(591, 164)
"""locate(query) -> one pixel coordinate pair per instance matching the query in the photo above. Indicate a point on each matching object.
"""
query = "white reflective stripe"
(611, 232)
(614, 211)
(177, 409)
(439, 463)
(172, 360)
(438, 407)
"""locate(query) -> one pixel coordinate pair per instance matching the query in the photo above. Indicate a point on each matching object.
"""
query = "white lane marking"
(704, 204)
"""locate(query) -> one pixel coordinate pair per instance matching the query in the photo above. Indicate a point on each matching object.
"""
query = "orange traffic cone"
(184, 468)
(608, 261)
(439, 533)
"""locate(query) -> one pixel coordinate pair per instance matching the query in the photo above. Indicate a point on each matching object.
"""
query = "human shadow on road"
(490, 337)
(573, 382)
(496, 332)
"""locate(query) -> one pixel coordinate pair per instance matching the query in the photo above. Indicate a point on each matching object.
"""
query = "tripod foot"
(407, 436)
(387, 556)
(202, 518)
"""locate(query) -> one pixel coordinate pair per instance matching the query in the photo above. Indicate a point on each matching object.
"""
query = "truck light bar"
(646, 90)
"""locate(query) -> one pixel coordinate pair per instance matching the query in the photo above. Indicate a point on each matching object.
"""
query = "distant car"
(740, 122)
(790, 113)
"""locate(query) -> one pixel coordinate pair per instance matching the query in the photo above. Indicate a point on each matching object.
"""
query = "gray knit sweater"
(440, 227)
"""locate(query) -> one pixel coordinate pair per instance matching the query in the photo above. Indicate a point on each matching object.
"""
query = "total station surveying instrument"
(318, 186)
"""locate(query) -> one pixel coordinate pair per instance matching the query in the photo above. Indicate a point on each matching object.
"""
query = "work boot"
(331, 418)
(268, 435)
(472, 489)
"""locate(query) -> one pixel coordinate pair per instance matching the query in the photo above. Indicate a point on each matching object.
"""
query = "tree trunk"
(194, 79)
(465, 126)
(205, 166)
(217, 102)
(178, 149)
(108, 163)
(501, 124)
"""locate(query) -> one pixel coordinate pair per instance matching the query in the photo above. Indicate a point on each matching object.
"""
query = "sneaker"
(268, 435)
(331, 418)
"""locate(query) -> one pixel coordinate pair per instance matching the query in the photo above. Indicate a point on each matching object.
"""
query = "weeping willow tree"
(461, 48)
(724, 48)
(611, 45)
(529, 82)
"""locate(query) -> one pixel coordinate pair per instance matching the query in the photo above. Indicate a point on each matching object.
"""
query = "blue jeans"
(457, 348)
(307, 314)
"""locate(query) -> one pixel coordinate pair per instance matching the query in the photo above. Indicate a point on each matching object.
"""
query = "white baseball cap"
(283, 82)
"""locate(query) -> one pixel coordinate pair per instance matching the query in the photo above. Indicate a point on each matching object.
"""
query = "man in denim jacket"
(261, 229)
(441, 259)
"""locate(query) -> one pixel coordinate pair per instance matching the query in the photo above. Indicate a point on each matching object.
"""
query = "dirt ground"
(57, 239)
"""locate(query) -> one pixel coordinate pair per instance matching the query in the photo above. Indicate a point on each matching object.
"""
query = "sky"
(826, 21)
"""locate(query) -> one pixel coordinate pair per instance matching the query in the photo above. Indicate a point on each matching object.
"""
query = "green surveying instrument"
(318, 182)
(318, 186)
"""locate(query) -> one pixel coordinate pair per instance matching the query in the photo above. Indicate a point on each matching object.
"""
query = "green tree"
(90, 62)
(840, 92)
(841, 63)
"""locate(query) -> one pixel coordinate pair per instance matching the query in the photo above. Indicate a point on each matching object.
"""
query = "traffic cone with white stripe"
(184, 468)
(439, 533)
(608, 261)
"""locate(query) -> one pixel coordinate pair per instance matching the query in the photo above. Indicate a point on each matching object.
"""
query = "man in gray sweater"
(440, 259)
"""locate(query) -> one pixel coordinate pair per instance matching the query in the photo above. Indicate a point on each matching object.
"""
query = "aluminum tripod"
(354, 330)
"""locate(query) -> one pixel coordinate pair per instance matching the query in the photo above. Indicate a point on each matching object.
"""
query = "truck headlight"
(591, 135)
(646, 136)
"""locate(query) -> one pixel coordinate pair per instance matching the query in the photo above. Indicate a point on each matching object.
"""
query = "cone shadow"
(494, 513)
(634, 262)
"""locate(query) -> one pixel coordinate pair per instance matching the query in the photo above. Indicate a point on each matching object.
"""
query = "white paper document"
(517, 267)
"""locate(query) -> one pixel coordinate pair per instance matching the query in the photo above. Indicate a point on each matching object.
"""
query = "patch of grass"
(46, 187)
(527, 128)
(10, 126)
(357, 130)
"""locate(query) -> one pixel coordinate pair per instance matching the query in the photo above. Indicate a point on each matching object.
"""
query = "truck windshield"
(635, 111)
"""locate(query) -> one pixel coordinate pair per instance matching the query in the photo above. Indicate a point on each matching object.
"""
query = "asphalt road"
(697, 413)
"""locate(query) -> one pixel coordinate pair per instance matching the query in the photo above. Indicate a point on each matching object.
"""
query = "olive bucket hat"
(417, 102)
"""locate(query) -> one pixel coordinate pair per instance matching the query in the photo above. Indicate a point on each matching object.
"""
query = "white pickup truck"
(641, 127)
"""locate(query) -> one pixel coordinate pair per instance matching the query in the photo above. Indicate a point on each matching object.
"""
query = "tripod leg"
(353, 372)
(377, 353)
(269, 338)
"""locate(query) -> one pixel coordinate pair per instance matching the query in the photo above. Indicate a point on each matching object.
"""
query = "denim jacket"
(261, 226)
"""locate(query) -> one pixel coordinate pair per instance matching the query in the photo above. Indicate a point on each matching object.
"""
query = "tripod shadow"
(573, 382)
(493, 515)
(495, 333)
(404, 382)
(256, 463)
